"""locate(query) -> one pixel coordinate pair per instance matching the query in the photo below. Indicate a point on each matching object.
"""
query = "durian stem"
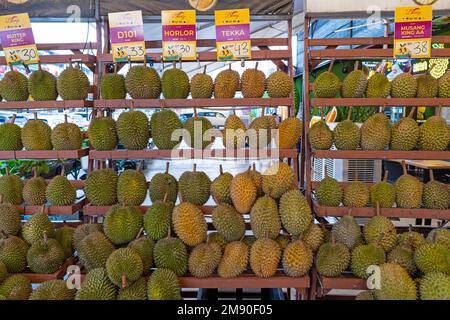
(35, 115)
(139, 166)
(194, 167)
(431, 175)
(1, 201)
(13, 118)
(169, 232)
(242, 238)
(326, 171)
(349, 116)
(181, 197)
(174, 64)
(229, 66)
(263, 111)
(378, 208)
(321, 114)
(7, 170)
(11, 66)
(140, 233)
(330, 68)
(65, 118)
(195, 112)
(410, 227)
(256, 66)
(254, 166)
(167, 167)
(115, 68)
(204, 69)
(349, 213)
(411, 114)
(438, 111)
(43, 208)
(39, 66)
(45, 236)
(386, 173)
(124, 281)
(356, 65)
(221, 169)
(35, 172)
(165, 197)
(405, 171)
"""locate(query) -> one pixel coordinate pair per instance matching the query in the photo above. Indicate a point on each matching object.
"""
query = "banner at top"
(233, 34)
(127, 36)
(413, 32)
(179, 40)
(16, 36)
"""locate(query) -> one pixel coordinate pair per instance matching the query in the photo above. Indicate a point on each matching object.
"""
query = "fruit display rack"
(58, 275)
(373, 48)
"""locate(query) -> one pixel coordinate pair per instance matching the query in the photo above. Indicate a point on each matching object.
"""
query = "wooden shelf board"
(53, 210)
(350, 54)
(365, 41)
(185, 103)
(322, 211)
(46, 154)
(192, 154)
(91, 210)
(429, 102)
(61, 58)
(345, 281)
(53, 104)
(204, 43)
(385, 154)
(212, 56)
(58, 275)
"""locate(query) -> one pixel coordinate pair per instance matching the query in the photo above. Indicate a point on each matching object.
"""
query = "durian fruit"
(94, 250)
(112, 85)
(195, 186)
(279, 85)
(396, 284)
(376, 132)
(433, 257)
(440, 235)
(364, 256)
(220, 187)
(380, 226)
(34, 190)
(314, 236)
(122, 224)
(131, 188)
(404, 86)
(103, 133)
(228, 222)
(226, 84)
(53, 290)
(39, 224)
(295, 212)
(265, 255)
(347, 231)
(289, 133)
(347, 135)
(354, 84)
(427, 86)
(158, 218)
(234, 260)
(36, 135)
(243, 192)
(10, 136)
(320, 135)
(16, 287)
(60, 191)
(163, 285)
(143, 82)
(366, 295)
(64, 236)
(444, 86)
(277, 179)
(162, 183)
(329, 192)
(202, 85)
(133, 130)
(218, 238)
(144, 248)
(101, 187)
(234, 133)
(13, 253)
(42, 85)
(198, 132)
(404, 256)
(124, 266)
(14, 86)
(45, 256)
(83, 230)
(356, 194)
(257, 180)
(283, 240)
(261, 131)
(204, 259)
(253, 83)
(175, 83)
(170, 253)
(135, 291)
(265, 219)
(3, 272)
(297, 259)
(383, 193)
(405, 133)
(435, 286)
(411, 238)
(73, 84)
(327, 84)
(97, 286)
(10, 220)
(433, 134)
(332, 259)
(66, 136)
(408, 190)
(189, 223)
(163, 125)
(378, 86)
(435, 194)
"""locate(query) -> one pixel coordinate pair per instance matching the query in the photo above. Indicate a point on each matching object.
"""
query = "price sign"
(413, 29)
(233, 34)
(179, 38)
(127, 36)
(16, 36)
